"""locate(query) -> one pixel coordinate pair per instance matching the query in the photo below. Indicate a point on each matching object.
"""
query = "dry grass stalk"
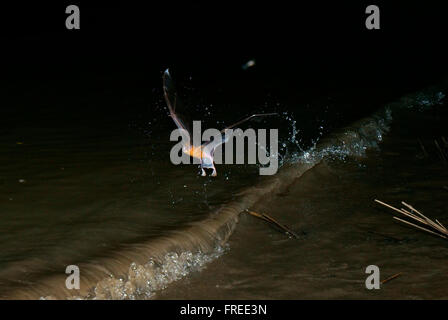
(442, 153)
(425, 154)
(442, 147)
(445, 141)
(269, 219)
(433, 227)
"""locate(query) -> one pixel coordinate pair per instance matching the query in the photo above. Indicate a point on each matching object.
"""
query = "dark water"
(90, 183)
(341, 229)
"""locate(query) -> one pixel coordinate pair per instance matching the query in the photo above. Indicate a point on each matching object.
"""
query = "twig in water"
(435, 228)
(391, 278)
(269, 219)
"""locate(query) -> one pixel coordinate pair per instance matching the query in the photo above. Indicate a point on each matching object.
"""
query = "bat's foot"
(214, 173)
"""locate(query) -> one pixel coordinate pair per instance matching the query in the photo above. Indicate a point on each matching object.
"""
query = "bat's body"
(205, 151)
(196, 152)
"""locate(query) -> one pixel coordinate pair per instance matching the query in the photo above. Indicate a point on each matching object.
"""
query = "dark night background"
(303, 51)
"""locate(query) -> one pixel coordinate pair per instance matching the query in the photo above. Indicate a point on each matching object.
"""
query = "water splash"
(144, 281)
(425, 100)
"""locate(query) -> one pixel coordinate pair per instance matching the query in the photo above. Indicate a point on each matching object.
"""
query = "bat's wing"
(175, 106)
(179, 115)
(212, 145)
(209, 147)
(247, 119)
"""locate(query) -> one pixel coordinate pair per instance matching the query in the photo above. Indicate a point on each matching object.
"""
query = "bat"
(204, 152)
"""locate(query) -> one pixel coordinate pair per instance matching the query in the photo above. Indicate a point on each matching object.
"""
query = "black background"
(302, 39)
(309, 47)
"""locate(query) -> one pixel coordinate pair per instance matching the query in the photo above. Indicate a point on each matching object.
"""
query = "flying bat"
(204, 152)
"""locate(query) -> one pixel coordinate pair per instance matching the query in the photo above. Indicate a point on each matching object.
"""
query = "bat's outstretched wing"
(225, 136)
(174, 104)
(179, 117)
(247, 119)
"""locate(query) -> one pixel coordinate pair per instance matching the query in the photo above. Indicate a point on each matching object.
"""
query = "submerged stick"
(423, 148)
(391, 278)
(269, 219)
(255, 214)
(442, 154)
(445, 142)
